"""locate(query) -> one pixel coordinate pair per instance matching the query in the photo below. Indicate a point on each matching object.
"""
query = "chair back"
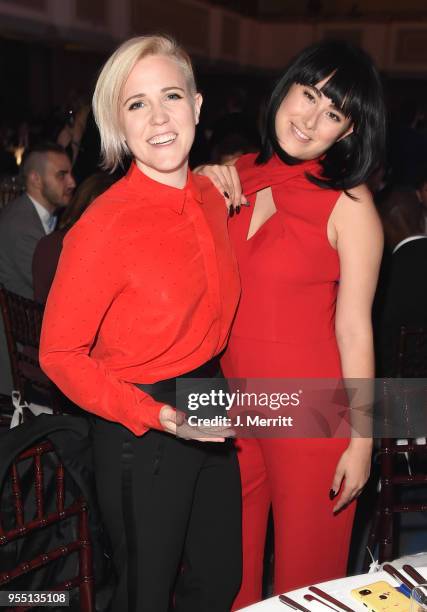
(22, 319)
(403, 453)
(35, 505)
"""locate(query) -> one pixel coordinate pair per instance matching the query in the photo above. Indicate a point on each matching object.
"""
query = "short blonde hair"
(106, 99)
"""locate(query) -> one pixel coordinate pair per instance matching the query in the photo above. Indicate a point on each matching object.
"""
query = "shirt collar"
(44, 215)
(164, 195)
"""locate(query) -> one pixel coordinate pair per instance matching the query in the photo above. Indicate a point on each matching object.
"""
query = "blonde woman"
(146, 290)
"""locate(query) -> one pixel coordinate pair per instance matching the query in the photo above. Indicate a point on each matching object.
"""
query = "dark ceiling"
(267, 10)
(248, 8)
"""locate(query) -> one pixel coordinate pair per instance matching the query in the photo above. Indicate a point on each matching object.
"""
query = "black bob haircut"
(354, 87)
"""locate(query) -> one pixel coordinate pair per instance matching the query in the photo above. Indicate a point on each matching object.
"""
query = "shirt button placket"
(207, 247)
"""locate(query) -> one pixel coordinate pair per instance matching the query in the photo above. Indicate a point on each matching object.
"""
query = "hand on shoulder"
(226, 180)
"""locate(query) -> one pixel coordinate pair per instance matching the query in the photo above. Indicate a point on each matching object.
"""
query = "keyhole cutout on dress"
(264, 208)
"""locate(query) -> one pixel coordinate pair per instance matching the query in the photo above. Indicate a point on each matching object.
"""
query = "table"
(340, 589)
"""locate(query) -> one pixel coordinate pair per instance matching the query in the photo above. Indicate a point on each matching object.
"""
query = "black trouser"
(172, 509)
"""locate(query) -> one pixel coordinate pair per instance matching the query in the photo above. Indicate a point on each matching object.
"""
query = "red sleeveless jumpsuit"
(285, 328)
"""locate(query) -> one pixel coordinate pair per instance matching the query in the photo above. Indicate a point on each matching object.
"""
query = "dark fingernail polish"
(231, 211)
(332, 494)
(226, 194)
(237, 210)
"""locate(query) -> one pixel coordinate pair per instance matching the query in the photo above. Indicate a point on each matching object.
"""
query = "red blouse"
(146, 289)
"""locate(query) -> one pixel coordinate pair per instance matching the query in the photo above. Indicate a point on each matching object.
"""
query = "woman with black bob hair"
(309, 249)
(354, 86)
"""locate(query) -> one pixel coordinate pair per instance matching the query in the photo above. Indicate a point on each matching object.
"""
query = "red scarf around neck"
(274, 172)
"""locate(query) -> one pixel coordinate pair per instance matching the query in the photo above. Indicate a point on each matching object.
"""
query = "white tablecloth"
(340, 589)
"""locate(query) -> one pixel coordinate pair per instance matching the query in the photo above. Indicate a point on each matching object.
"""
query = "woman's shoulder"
(109, 199)
(357, 200)
(360, 193)
(207, 189)
(200, 181)
(108, 206)
(356, 219)
(102, 215)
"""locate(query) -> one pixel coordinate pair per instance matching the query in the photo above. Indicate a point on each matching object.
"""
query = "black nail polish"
(237, 210)
(231, 211)
(226, 194)
(332, 494)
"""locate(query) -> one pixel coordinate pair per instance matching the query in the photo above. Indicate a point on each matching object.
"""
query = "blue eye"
(174, 96)
(136, 105)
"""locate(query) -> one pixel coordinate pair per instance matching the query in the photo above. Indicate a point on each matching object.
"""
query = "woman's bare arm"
(359, 241)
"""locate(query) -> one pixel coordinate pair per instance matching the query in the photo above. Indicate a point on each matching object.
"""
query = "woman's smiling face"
(308, 123)
(158, 115)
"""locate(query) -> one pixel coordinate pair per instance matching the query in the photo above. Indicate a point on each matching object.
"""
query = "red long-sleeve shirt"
(146, 289)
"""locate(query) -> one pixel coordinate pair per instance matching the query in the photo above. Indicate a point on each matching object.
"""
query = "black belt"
(175, 391)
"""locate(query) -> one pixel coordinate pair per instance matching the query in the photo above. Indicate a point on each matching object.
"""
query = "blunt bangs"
(340, 85)
(340, 89)
(353, 84)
